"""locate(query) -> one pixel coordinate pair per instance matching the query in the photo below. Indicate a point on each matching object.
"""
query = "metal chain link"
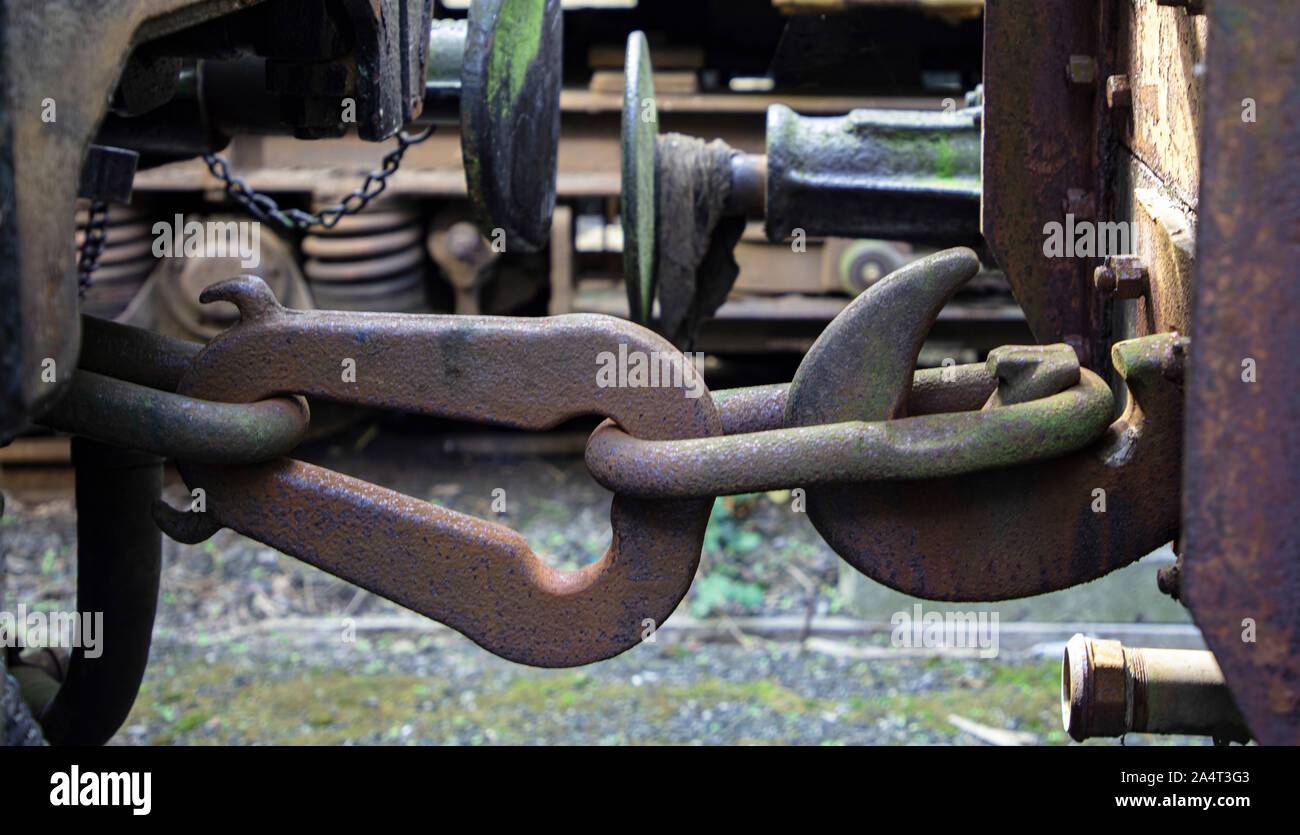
(92, 246)
(264, 208)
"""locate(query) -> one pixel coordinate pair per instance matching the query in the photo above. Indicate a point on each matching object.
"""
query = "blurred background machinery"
(718, 67)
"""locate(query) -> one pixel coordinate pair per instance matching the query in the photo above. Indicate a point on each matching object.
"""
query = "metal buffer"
(894, 174)
(510, 71)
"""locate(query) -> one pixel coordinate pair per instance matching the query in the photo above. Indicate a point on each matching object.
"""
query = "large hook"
(479, 578)
(1002, 533)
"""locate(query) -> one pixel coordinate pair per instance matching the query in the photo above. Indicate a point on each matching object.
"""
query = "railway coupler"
(1005, 449)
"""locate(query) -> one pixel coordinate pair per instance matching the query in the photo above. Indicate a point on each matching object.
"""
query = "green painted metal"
(640, 134)
(510, 117)
(893, 174)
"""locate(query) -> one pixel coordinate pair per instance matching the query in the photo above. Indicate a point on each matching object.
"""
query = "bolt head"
(1081, 69)
(1104, 279)
(1131, 277)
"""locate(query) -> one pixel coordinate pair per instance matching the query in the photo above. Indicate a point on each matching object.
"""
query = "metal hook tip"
(249, 293)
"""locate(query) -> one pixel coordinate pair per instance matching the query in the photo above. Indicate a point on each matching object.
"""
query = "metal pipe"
(188, 124)
(748, 194)
(442, 87)
(1108, 689)
(447, 40)
(119, 557)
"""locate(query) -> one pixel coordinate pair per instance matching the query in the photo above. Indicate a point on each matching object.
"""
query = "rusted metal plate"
(1039, 145)
(953, 10)
(1159, 49)
(1156, 125)
(477, 577)
(1241, 532)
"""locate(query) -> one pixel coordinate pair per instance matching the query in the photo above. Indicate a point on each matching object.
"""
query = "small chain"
(92, 246)
(264, 208)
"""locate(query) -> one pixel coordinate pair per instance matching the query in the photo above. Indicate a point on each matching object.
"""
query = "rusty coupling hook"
(479, 578)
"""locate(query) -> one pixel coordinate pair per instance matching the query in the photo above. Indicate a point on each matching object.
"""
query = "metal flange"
(510, 117)
(640, 135)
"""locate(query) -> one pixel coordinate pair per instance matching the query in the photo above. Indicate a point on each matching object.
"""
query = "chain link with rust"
(92, 246)
(264, 208)
(123, 392)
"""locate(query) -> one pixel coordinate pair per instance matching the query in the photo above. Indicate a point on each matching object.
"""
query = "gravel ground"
(401, 688)
(254, 647)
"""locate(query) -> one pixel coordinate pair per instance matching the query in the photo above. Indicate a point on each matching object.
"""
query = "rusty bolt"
(1123, 277)
(1081, 69)
(1174, 370)
(464, 241)
(1118, 93)
(1169, 579)
(1104, 278)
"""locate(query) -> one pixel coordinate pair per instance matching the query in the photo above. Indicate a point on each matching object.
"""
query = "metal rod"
(1108, 689)
(748, 195)
(893, 174)
(140, 356)
(172, 425)
(447, 39)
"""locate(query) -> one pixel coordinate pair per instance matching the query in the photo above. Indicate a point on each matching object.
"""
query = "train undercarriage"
(1012, 282)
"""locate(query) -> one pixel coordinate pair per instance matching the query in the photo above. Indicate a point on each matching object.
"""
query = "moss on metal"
(517, 43)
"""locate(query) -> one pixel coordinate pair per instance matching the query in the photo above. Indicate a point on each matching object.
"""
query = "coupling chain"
(265, 208)
(123, 393)
(92, 246)
(857, 413)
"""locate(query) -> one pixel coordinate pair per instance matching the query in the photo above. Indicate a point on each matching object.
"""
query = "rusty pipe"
(1108, 689)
